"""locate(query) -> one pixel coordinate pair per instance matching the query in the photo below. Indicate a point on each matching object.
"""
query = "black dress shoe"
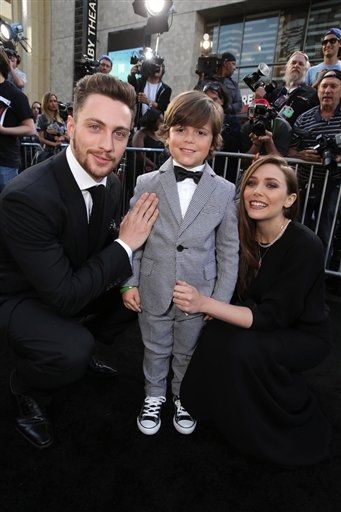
(100, 369)
(32, 422)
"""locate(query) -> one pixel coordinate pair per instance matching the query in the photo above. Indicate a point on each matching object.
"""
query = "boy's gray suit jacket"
(201, 248)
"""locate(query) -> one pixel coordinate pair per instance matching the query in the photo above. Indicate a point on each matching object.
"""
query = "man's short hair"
(193, 108)
(107, 85)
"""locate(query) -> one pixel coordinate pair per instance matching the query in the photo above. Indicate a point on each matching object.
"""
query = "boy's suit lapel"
(167, 180)
(202, 193)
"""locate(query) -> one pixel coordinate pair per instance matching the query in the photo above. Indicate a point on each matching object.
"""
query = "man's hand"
(142, 98)
(267, 140)
(131, 300)
(310, 155)
(138, 222)
(258, 140)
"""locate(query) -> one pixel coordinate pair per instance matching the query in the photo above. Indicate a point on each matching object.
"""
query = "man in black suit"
(60, 257)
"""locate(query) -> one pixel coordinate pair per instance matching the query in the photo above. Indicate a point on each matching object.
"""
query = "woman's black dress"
(249, 381)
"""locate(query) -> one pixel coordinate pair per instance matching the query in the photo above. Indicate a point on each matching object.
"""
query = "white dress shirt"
(186, 187)
(85, 181)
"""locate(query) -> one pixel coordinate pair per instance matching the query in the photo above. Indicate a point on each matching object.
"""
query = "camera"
(147, 62)
(207, 67)
(261, 117)
(63, 110)
(254, 80)
(151, 66)
(86, 66)
(328, 147)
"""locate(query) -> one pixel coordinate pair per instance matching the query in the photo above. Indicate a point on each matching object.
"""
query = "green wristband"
(126, 288)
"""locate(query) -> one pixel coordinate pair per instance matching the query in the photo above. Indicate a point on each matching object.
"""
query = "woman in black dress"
(246, 372)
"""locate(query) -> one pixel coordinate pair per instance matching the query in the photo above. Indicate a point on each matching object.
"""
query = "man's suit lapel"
(75, 233)
(200, 197)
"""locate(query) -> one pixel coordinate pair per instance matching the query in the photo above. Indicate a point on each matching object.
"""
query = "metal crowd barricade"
(29, 151)
(138, 161)
(230, 166)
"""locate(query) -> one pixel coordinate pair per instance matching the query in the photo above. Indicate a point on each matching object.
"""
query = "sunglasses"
(333, 40)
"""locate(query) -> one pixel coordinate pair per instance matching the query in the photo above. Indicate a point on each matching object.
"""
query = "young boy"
(195, 239)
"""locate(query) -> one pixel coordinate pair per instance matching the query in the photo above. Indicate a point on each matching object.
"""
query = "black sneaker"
(149, 421)
(182, 420)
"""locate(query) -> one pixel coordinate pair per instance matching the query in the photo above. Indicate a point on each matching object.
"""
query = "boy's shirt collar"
(193, 169)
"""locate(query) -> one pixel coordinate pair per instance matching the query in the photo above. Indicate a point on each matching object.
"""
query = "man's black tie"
(181, 174)
(96, 217)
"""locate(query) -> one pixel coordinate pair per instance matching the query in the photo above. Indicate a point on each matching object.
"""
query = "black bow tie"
(181, 174)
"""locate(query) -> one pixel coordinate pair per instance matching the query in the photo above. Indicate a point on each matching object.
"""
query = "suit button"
(180, 248)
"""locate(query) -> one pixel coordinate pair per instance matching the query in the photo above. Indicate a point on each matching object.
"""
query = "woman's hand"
(187, 298)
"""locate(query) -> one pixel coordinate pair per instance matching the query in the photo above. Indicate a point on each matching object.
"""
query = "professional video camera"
(63, 110)
(147, 62)
(261, 118)
(207, 67)
(86, 66)
(254, 80)
(328, 147)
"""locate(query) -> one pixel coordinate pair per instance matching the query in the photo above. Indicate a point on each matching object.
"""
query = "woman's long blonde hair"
(49, 114)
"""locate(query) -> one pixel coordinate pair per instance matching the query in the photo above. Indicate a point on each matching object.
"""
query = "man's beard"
(83, 160)
(294, 77)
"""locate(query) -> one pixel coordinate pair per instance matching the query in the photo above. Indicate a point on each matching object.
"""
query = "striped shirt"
(312, 124)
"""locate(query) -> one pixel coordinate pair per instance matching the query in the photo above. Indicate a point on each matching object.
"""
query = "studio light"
(11, 32)
(147, 8)
(157, 12)
(206, 44)
(156, 7)
(5, 31)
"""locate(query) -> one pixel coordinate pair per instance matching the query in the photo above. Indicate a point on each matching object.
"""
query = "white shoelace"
(181, 411)
(152, 405)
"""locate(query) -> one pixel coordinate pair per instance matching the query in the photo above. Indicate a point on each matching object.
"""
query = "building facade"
(254, 32)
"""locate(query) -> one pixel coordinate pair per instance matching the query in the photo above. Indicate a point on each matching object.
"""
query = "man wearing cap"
(225, 72)
(325, 119)
(331, 44)
(105, 64)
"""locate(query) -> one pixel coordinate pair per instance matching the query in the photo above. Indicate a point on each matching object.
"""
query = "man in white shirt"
(61, 256)
(331, 44)
(151, 91)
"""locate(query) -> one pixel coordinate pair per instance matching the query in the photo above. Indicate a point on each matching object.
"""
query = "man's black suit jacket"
(44, 241)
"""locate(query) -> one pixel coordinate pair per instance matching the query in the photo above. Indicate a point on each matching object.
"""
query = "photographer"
(151, 91)
(321, 122)
(265, 133)
(105, 64)
(294, 93)
(15, 76)
(224, 74)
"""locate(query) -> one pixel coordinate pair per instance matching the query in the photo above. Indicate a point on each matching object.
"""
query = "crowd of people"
(228, 288)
